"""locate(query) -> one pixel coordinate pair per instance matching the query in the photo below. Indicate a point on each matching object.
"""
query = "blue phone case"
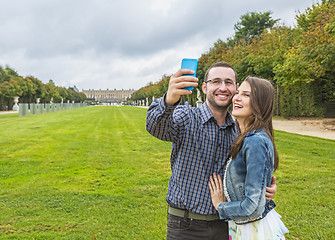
(189, 63)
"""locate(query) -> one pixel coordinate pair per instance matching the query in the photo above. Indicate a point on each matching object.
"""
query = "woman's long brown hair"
(261, 102)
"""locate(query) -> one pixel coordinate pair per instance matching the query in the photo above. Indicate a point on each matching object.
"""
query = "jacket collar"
(254, 131)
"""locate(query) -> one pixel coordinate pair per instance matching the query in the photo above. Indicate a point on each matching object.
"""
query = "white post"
(199, 102)
(16, 100)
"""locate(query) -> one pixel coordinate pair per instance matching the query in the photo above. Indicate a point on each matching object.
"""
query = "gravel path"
(7, 112)
(323, 128)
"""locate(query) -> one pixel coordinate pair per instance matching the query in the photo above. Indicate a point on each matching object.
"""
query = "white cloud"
(120, 43)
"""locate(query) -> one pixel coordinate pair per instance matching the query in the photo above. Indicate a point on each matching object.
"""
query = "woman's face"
(241, 102)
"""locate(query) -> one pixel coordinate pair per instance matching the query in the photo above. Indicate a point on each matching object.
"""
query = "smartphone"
(189, 63)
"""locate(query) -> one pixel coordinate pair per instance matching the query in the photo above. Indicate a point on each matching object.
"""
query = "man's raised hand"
(177, 84)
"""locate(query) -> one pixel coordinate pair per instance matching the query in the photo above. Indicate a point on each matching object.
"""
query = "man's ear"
(204, 88)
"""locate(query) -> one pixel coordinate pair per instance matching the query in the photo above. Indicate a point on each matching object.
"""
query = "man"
(201, 139)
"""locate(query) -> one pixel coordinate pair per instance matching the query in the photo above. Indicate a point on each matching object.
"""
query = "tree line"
(299, 60)
(30, 88)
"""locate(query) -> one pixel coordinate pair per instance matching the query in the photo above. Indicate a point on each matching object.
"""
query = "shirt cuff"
(168, 108)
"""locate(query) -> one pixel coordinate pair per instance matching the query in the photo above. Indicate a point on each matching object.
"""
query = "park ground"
(96, 173)
(316, 127)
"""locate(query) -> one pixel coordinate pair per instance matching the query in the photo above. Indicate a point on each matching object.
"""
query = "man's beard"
(216, 106)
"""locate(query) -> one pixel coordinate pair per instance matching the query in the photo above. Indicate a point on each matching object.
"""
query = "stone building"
(108, 96)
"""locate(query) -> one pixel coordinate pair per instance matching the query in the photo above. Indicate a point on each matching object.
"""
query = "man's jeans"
(178, 228)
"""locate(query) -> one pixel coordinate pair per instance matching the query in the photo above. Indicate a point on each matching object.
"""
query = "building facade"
(108, 96)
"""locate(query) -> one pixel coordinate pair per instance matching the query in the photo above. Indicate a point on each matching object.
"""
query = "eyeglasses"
(219, 81)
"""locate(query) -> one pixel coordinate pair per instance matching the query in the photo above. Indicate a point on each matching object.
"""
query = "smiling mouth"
(237, 106)
(222, 95)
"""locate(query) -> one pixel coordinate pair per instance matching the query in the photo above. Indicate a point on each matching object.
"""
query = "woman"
(253, 158)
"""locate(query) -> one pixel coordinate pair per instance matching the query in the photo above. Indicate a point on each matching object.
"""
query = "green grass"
(306, 187)
(84, 172)
(96, 171)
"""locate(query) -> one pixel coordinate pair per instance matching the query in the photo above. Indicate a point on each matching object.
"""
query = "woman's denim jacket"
(246, 179)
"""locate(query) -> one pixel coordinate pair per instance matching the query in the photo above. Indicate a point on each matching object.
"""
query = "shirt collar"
(206, 115)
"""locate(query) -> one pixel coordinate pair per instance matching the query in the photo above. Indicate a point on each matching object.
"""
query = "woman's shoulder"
(257, 136)
(259, 133)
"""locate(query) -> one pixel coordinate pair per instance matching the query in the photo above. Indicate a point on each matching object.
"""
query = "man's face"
(221, 89)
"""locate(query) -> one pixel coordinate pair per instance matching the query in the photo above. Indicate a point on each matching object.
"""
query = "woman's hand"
(271, 191)
(216, 190)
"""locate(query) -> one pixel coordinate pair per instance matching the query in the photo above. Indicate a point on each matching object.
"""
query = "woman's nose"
(237, 97)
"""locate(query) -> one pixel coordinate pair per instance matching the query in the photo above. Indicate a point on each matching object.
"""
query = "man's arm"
(160, 122)
(271, 191)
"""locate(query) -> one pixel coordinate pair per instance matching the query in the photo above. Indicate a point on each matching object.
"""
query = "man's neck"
(219, 114)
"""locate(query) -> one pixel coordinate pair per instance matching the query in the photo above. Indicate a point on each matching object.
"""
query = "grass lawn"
(95, 173)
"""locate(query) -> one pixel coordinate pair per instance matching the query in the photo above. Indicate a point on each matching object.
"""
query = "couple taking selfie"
(221, 184)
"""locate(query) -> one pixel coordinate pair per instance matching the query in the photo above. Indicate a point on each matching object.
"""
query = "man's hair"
(220, 64)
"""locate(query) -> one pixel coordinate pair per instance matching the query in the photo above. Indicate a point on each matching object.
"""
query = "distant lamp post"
(16, 100)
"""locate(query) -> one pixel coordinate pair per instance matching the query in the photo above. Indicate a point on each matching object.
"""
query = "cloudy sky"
(122, 44)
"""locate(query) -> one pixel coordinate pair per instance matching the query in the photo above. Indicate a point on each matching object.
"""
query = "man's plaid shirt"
(199, 148)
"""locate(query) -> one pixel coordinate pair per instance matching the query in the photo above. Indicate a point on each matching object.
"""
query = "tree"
(40, 91)
(63, 93)
(28, 90)
(299, 60)
(11, 72)
(152, 89)
(10, 89)
(252, 25)
(267, 51)
(312, 59)
(3, 75)
(51, 92)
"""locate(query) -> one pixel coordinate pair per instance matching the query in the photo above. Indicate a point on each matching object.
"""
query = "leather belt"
(182, 213)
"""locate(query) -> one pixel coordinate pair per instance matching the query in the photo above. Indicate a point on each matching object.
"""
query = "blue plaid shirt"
(199, 148)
